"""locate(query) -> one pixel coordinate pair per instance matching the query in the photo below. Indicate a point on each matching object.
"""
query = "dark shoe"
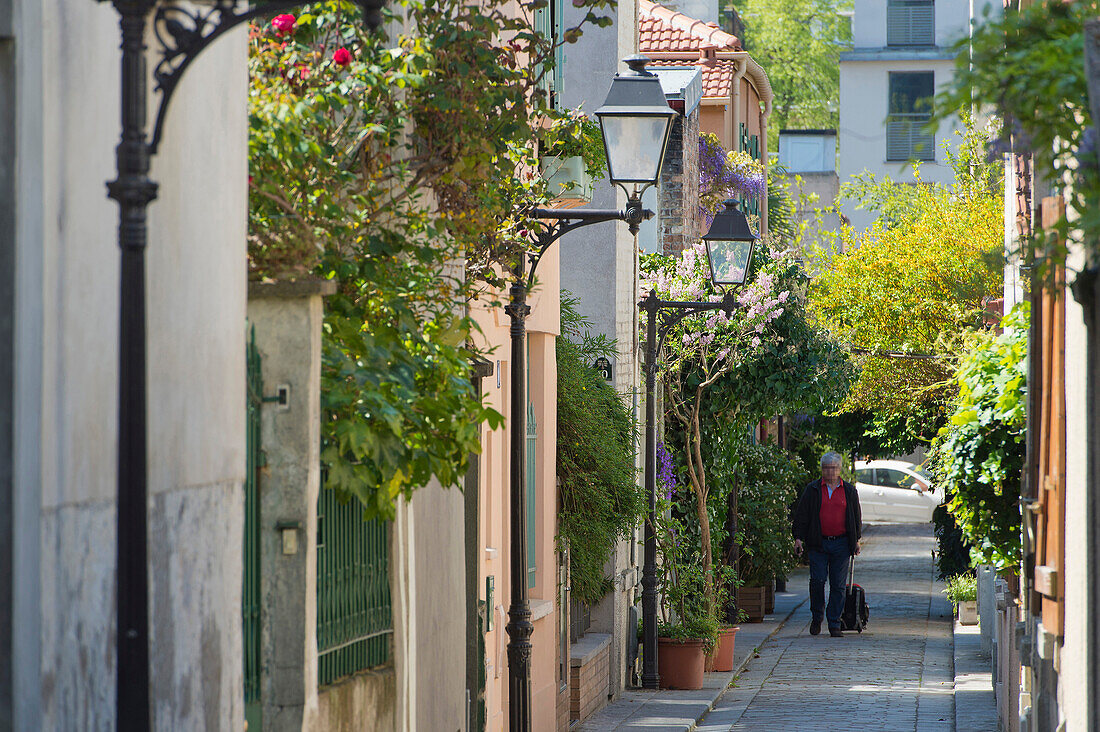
(815, 627)
(835, 633)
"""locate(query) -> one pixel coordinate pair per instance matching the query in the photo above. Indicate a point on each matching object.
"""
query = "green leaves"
(979, 455)
(601, 501)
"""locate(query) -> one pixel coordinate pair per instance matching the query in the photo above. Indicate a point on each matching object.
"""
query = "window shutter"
(532, 476)
(544, 27)
(558, 23)
(910, 23)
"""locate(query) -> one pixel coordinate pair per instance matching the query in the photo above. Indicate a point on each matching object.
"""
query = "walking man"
(827, 520)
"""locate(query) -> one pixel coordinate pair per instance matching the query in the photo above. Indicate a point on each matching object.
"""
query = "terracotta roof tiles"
(663, 29)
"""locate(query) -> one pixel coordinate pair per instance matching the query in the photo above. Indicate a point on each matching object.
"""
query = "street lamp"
(182, 33)
(730, 243)
(635, 121)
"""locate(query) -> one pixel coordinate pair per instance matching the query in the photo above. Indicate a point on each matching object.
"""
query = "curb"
(745, 663)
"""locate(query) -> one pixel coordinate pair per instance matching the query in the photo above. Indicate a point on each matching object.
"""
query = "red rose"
(284, 23)
(341, 57)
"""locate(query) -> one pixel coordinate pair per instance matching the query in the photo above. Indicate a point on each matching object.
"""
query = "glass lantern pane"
(634, 147)
(728, 261)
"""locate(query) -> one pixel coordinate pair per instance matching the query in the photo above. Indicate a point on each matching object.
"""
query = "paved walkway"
(899, 674)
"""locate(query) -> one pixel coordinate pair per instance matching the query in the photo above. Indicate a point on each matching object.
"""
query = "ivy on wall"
(979, 455)
(601, 501)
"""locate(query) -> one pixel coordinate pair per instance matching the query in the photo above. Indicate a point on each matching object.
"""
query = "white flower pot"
(968, 612)
(567, 178)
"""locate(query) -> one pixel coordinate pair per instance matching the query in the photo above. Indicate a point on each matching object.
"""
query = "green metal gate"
(354, 614)
(250, 597)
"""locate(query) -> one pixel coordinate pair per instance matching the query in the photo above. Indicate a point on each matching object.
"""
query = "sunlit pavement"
(897, 675)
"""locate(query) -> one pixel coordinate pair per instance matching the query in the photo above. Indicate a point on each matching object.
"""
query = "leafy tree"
(601, 501)
(801, 41)
(382, 163)
(979, 455)
(1027, 66)
(905, 292)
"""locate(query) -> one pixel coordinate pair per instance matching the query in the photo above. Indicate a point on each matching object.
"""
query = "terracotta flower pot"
(721, 658)
(751, 600)
(680, 663)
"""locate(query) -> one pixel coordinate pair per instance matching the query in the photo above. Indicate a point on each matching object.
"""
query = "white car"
(895, 491)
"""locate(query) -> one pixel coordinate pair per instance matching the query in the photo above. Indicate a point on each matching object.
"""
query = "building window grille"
(910, 23)
(910, 110)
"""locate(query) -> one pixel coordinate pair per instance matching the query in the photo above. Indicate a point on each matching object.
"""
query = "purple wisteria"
(666, 476)
(724, 175)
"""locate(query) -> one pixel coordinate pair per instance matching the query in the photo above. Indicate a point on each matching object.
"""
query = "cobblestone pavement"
(897, 675)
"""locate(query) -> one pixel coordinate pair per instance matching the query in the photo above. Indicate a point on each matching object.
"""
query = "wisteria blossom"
(724, 175)
(703, 347)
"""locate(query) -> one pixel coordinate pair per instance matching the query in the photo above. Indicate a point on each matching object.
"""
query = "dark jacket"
(807, 516)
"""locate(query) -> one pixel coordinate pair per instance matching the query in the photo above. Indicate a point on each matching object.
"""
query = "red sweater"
(833, 511)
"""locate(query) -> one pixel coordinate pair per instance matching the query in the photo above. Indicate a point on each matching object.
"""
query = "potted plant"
(688, 627)
(962, 591)
(572, 156)
(767, 479)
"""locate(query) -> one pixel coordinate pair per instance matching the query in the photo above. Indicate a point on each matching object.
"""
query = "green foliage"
(962, 588)
(799, 42)
(1028, 66)
(691, 591)
(379, 162)
(915, 283)
(767, 479)
(575, 134)
(952, 549)
(601, 501)
(978, 457)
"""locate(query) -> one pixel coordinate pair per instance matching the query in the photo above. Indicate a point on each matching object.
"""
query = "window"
(910, 109)
(550, 23)
(863, 476)
(893, 478)
(910, 23)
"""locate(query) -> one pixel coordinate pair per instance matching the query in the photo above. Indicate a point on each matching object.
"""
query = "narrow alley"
(897, 675)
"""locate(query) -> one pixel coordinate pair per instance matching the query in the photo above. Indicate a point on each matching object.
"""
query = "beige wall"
(543, 326)
(66, 322)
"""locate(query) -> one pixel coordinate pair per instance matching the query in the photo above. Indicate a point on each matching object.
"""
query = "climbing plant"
(979, 455)
(399, 167)
(601, 501)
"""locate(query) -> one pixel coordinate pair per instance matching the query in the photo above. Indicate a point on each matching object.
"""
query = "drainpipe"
(764, 115)
(735, 118)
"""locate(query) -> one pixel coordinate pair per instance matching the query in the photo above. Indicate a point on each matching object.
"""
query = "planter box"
(680, 663)
(769, 598)
(567, 178)
(968, 612)
(751, 600)
(721, 658)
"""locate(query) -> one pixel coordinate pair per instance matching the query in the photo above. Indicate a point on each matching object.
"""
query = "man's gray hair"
(832, 458)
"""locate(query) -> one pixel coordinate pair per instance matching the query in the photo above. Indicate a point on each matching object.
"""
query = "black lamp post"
(636, 121)
(182, 33)
(729, 252)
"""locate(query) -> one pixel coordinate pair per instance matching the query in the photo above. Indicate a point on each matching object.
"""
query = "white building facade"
(902, 53)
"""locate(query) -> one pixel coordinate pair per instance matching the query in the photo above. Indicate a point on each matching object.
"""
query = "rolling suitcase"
(856, 611)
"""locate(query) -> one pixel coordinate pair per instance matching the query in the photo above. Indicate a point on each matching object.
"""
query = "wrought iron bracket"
(566, 220)
(670, 313)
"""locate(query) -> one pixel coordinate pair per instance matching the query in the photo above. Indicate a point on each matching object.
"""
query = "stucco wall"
(67, 364)
(1073, 677)
(494, 531)
(363, 703)
(864, 92)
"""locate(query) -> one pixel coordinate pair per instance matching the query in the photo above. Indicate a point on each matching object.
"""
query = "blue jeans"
(830, 561)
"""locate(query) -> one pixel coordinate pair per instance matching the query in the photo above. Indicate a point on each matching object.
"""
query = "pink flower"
(284, 23)
(341, 57)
